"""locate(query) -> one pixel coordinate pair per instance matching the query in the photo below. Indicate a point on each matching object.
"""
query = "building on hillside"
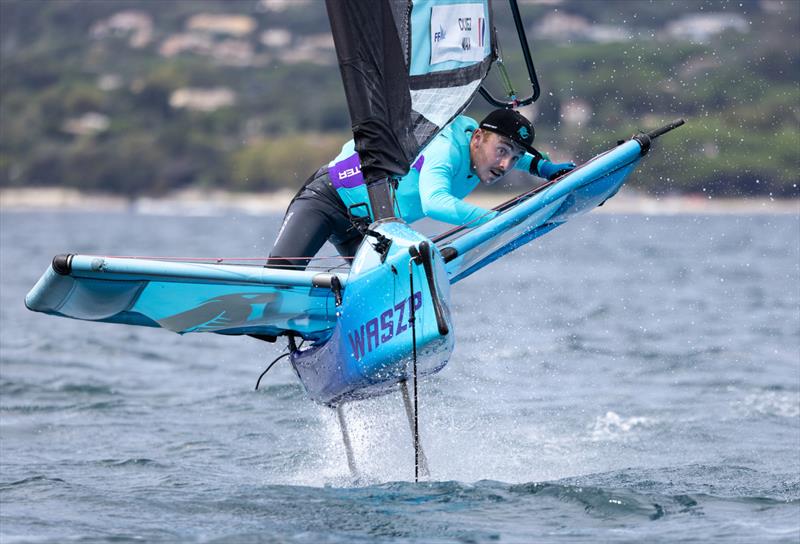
(276, 38)
(233, 52)
(700, 28)
(189, 42)
(281, 5)
(206, 100)
(315, 49)
(138, 25)
(87, 124)
(566, 28)
(236, 26)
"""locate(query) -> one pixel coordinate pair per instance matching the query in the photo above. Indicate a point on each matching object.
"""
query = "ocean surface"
(622, 379)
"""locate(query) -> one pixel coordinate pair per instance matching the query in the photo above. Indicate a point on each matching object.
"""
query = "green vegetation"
(86, 109)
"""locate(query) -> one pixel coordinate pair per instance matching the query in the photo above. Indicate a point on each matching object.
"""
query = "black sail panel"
(376, 85)
(408, 68)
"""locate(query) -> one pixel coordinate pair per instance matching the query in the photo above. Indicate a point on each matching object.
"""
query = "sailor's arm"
(438, 201)
(539, 165)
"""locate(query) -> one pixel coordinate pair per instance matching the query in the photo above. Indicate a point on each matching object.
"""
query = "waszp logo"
(381, 329)
(465, 44)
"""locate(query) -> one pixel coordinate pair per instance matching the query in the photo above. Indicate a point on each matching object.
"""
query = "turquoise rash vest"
(438, 180)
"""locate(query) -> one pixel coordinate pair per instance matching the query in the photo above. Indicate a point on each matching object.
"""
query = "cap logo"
(523, 133)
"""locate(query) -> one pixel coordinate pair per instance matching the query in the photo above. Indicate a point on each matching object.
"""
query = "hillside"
(144, 97)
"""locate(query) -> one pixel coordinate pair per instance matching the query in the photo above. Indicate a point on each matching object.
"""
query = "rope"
(291, 348)
(512, 94)
(281, 356)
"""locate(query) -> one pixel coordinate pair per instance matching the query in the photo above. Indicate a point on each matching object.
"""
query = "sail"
(408, 68)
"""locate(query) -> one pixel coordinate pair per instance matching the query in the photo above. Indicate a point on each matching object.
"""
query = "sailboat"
(409, 68)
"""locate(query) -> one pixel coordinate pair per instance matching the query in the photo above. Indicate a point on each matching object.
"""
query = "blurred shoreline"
(196, 202)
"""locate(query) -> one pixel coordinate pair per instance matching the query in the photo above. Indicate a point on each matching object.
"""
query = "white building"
(701, 28)
(202, 99)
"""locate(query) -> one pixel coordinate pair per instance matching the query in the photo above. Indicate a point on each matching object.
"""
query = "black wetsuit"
(315, 215)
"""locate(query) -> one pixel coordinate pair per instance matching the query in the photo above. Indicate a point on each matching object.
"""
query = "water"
(624, 379)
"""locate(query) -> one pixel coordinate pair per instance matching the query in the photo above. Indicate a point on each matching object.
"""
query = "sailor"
(331, 203)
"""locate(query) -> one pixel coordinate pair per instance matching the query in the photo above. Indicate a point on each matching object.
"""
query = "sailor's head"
(502, 138)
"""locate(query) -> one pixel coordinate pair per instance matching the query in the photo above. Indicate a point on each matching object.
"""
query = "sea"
(625, 378)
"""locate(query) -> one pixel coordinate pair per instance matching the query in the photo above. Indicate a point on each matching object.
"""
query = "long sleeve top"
(436, 184)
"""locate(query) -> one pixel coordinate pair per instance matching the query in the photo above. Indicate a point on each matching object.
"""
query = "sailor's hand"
(552, 170)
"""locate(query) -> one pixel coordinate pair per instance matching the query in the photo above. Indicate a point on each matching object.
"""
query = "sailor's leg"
(349, 246)
(345, 237)
(348, 447)
(315, 215)
(305, 229)
(420, 461)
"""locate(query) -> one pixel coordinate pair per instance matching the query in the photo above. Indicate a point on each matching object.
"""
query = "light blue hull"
(370, 349)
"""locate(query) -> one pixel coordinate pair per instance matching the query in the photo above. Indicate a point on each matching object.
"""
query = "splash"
(612, 426)
(774, 403)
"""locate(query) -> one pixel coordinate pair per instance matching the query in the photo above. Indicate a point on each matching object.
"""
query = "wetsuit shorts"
(315, 215)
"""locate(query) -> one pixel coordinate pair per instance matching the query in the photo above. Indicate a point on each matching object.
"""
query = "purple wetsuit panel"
(346, 173)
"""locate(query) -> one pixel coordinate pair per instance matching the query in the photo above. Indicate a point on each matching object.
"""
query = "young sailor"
(449, 168)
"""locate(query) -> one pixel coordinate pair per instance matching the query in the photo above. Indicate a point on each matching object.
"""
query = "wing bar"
(88, 266)
(623, 155)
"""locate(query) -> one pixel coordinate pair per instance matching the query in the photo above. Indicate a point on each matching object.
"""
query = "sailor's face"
(493, 156)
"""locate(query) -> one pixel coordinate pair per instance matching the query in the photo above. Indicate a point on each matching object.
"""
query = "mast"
(376, 86)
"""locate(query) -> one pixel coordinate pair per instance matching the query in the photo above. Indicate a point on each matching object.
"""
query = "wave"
(773, 403)
(617, 502)
(32, 480)
(612, 426)
(138, 462)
